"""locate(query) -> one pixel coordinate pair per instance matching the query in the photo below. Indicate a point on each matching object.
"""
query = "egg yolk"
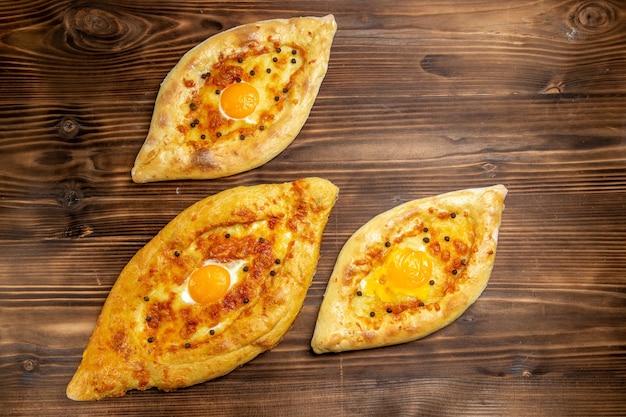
(208, 283)
(405, 272)
(239, 100)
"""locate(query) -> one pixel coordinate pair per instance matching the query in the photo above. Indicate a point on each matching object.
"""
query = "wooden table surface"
(421, 97)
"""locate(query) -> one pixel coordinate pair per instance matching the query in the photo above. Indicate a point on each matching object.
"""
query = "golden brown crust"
(148, 336)
(187, 106)
(458, 231)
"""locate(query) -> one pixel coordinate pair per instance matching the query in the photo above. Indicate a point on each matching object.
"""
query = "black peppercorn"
(246, 268)
(227, 235)
(193, 106)
(246, 301)
(426, 240)
(252, 72)
(187, 345)
(176, 253)
(446, 238)
(372, 314)
(426, 230)
(277, 261)
(211, 332)
(453, 215)
(389, 310)
(454, 272)
(146, 298)
(359, 293)
(272, 273)
(387, 244)
(431, 282)
(150, 339)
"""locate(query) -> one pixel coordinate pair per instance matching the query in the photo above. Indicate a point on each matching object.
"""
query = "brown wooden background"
(421, 97)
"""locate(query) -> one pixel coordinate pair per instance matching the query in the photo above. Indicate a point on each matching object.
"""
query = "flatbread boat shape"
(410, 271)
(236, 100)
(217, 286)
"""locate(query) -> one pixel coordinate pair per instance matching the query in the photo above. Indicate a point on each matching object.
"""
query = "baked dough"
(236, 100)
(157, 330)
(410, 271)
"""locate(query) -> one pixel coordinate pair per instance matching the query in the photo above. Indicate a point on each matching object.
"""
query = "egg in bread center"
(210, 282)
(406, 271)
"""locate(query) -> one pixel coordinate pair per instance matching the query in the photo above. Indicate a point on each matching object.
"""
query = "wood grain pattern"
(420, 98)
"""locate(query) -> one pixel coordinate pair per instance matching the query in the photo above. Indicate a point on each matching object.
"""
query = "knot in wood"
(68, 128)
(594, 17)
(30, 365)
(93, 29)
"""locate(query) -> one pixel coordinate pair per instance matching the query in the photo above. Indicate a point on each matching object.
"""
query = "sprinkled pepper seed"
(272, 273)
(242, 137)
(293, 60)
(431, 282)
(359, 293)
(150, 339)
(463, 261)
(227, 235)
(275, 59)
(246, 301)
(206, 75)
(294, 52)
(261, 240)
(211, 332)
(387, 244)
(240, 60)
(268, 70)
(261, 127)
(217, 91)
(246, 268)
(285, 90)
(176, 253)
(238, 79)
(426, 240)
(278, 50)
(421, 304)
(426, 230)
(218, 134)
(146, 298)
(187, 345)
(446, 238)
(203, 136)
(252, 73)
(277, 261)
(372, 314)
(453, 215)
(389, 310)
(454, 272)
(148, 318)
(276, 98)
(193, 106)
